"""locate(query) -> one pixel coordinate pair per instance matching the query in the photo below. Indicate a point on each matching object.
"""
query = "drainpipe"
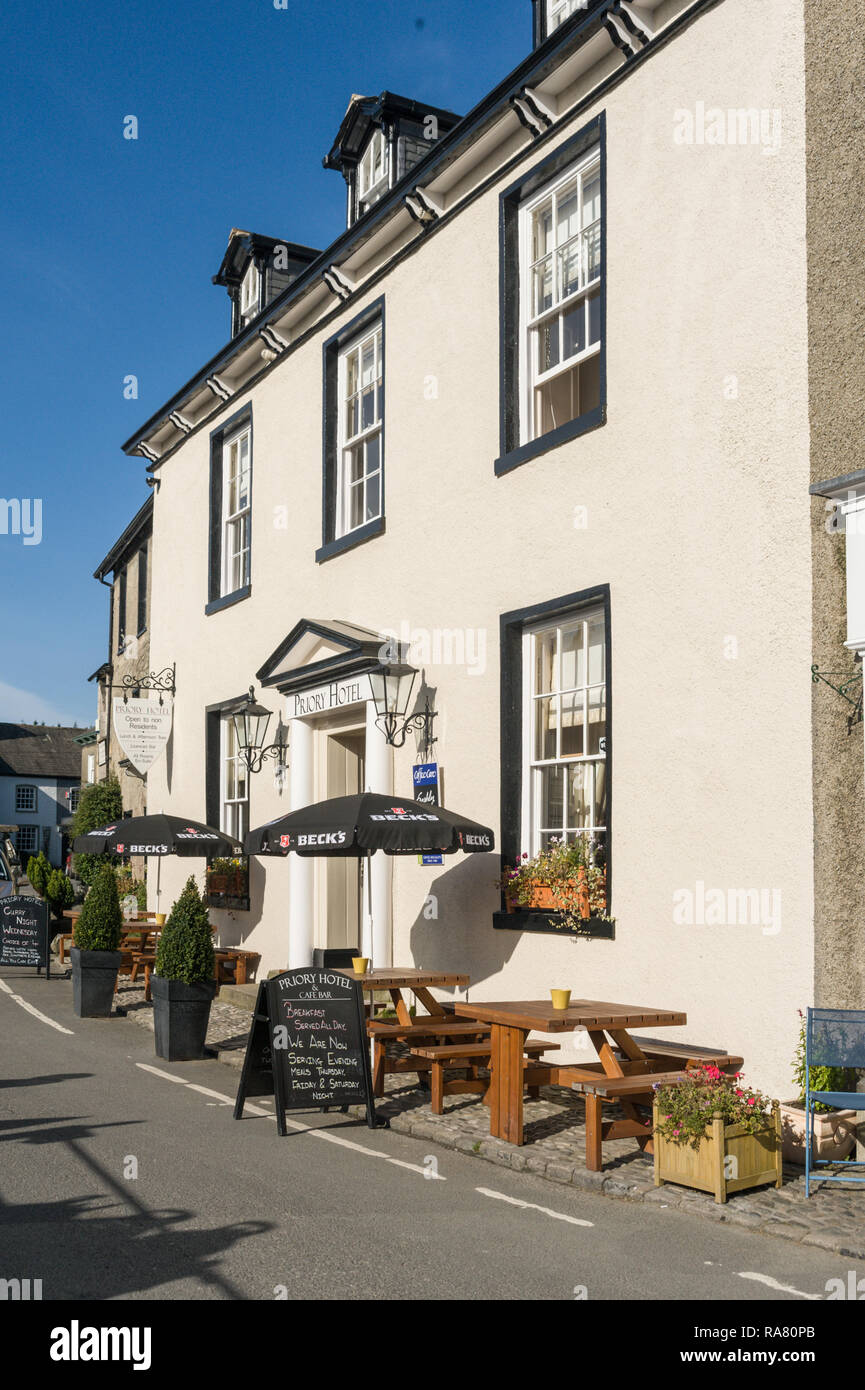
(110, 588)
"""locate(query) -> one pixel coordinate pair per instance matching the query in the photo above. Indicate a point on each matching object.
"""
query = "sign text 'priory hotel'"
(334, 695)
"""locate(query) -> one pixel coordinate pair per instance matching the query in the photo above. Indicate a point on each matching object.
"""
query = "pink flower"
(752, 1101)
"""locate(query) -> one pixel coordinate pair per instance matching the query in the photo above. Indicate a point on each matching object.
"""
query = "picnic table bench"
(437, 1025)
(473, 1055)
(619, 1057)
(146, 960)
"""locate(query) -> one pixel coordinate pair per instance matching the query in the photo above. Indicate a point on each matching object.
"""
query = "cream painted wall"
(695, 520)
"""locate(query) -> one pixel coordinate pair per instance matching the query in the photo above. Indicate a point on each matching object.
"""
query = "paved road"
(221, 1209)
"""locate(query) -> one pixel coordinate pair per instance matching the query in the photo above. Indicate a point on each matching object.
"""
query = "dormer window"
(372, 179)
(250, 292)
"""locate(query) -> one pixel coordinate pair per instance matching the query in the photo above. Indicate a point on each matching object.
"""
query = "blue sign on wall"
(425, 780)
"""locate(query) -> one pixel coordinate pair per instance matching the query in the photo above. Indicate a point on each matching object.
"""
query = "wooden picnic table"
(608, 1028)
(424, 1028)
(417, 982)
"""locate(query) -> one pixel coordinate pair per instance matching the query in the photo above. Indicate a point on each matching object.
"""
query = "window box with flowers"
(564, 880)
(715, 1134)
(227, 884)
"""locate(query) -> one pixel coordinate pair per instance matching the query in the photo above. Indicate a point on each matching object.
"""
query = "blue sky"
(109, 244)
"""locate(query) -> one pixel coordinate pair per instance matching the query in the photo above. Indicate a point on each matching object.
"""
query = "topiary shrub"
(185, 950)
(59, 893)
(101, 922)
(38, 872)
(100, 804)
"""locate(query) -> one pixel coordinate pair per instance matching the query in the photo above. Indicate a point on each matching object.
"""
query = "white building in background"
(40, 783)
(545, 411)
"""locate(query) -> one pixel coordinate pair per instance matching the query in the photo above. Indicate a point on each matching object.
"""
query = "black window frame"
(216, 600)
(143, 560)
(511, 402)
(213, 717)
(331, 544)
(512, 627)
(121, 611)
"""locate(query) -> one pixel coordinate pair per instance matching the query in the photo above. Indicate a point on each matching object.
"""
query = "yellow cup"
(359, 964)
(561, 998)
(160, 919)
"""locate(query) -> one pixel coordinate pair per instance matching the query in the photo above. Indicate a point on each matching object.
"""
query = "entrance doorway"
(343, 756)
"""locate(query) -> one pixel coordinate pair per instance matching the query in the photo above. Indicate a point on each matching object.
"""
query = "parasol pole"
(368, 877)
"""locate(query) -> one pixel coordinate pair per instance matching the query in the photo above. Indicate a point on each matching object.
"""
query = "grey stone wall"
(835, 142)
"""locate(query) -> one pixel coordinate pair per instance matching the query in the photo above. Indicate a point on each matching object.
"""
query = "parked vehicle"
(10, 864)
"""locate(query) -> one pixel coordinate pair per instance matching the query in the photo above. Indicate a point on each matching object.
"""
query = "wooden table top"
(408, 978)
(580, 1013)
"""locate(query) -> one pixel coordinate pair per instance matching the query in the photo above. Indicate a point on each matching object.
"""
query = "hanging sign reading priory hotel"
(143, 728)
(325, 698)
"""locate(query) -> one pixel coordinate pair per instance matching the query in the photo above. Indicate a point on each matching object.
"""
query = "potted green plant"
(38, 872)
(59, 893)
(182, 984)
(95, 957)
(833, 1132)
(712, 1133)
(563, 879)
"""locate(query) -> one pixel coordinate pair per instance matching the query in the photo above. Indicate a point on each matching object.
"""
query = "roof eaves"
(138, 524)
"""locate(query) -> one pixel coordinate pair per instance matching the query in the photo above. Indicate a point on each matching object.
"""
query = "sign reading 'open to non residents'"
(143, 728)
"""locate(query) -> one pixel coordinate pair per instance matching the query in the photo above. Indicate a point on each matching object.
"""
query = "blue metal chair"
(833, 1038)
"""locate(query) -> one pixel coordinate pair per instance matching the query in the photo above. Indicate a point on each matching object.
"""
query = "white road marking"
(294, 1124)
(165, 1074)
(204, 1091)
(781, 1288)
(34, 1011)
(532, 1206)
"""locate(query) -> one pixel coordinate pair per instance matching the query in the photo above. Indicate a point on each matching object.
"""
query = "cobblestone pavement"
(833, 1218)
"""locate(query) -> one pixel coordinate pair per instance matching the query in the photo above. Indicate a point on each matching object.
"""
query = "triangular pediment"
(316, 651)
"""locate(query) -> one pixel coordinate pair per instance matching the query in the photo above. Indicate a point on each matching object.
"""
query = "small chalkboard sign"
(24, 937)
(308, 1046)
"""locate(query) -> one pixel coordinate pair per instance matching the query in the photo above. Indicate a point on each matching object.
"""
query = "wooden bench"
(473, 1055)
(146, 960)
(243, 962)
(430, 1029)
(635, 1088)
(687, 1054)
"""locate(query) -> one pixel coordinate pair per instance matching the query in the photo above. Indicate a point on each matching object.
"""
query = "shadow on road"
(109, 1243)
(47, 1080)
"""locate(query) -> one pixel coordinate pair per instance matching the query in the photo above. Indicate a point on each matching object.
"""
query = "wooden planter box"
(234, 885)
(729, 1159)
(544, 899)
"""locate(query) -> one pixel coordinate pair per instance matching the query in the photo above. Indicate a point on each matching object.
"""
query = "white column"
(301, 880)
(379, 778)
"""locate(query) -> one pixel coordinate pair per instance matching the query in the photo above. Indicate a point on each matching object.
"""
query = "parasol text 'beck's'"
(357, 826)
(360, 825)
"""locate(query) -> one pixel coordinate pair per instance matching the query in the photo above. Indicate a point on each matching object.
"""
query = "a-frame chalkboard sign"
(24, 935)
(308, 1046)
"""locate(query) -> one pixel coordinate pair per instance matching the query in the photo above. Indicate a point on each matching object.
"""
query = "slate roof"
(39, 750)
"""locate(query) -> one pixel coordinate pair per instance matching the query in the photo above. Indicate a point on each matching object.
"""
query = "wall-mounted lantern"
(251, 722)
(392, 686)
